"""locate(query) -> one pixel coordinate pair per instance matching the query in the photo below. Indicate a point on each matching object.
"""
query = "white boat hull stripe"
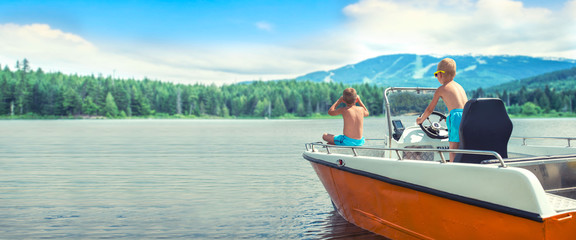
(483, 204)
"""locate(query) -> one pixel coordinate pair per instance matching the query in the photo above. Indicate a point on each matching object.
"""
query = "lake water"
(167, 179)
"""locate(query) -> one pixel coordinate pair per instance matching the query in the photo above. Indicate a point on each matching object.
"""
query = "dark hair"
(349, 96)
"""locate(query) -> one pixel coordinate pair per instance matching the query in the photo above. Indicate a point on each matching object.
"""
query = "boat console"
(398, 129)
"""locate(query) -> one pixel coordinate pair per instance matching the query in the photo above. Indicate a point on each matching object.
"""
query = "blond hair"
(349, 96)
(448, 65)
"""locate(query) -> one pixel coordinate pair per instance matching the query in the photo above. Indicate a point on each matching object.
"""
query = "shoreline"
(208, 117)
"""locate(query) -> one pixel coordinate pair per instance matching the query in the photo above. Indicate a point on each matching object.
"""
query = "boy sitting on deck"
(454, 97)
(353, 120)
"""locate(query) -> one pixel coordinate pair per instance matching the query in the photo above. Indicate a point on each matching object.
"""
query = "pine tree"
(111, 110)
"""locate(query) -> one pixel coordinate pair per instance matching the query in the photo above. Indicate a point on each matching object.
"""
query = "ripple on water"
(163, 179)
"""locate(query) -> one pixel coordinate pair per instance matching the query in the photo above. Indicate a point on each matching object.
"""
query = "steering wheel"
(433, 130)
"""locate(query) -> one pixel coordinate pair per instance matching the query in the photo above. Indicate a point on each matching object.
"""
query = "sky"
(227, 41)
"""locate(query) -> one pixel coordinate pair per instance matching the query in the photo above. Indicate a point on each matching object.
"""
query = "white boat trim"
(519, 192)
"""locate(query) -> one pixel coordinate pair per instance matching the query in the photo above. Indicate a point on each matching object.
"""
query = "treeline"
(35, 93)
(536, 101)
(552, 93)
(559, 80)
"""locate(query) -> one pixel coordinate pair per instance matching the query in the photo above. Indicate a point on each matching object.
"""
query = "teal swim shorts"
(453, 122)
(346, 141)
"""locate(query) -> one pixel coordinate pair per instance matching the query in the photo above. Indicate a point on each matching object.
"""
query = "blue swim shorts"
(346, 141)
(453, 122)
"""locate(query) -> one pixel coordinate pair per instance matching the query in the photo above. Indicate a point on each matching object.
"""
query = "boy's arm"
(430, 107)
(366, 113)
(333, 111)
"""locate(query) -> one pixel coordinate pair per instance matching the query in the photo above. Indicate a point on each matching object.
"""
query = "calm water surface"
(166, 179)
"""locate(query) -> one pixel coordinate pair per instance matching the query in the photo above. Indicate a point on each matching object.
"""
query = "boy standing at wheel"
(353, 120)
(453, 96)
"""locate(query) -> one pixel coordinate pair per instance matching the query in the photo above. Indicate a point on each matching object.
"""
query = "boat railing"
(524, 139)
(354, 150)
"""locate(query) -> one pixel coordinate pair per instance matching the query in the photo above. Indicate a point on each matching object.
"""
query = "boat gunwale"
(497, 157)
(462, 199)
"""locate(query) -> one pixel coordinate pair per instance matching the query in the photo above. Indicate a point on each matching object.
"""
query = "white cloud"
(461, 27)
(39, 40)
(266, 26)
(54, 50)
(372, 28)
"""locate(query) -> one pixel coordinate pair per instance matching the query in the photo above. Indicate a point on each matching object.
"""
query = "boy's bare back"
(353, 117)
(353, 121)
(453, 95)
(451, 92)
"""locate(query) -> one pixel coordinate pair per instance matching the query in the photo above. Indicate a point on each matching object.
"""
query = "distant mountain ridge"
(411, 70)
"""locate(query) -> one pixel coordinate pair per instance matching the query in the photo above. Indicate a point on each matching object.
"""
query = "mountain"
(559, 80)
(411, 70)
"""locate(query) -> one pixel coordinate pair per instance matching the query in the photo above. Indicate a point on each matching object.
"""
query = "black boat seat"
(485, 126)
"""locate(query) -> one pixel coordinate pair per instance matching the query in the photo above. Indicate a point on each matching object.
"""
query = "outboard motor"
(485, 126)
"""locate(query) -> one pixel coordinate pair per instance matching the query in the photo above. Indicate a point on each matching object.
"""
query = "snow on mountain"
(410, 70)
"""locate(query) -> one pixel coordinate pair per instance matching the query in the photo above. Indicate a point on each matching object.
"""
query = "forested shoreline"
(28, 93)
(34, 93)
(535, 102)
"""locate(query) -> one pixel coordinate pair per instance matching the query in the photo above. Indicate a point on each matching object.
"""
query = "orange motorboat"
(493, 189)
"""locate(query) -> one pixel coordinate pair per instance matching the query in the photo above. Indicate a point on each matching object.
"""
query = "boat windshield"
(413, 103)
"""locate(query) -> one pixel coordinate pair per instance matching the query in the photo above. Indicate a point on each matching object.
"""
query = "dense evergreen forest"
(536, 101)
(34, 93)
(551, 93)
(28, 93)
(560, 80)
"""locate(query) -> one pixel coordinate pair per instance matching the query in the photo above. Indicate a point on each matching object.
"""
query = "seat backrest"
(485, 126)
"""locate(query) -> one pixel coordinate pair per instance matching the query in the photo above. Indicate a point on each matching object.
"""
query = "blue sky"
(179, 22)
(230, 41)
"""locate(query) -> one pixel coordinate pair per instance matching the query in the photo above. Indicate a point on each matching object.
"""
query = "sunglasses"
(436, 73)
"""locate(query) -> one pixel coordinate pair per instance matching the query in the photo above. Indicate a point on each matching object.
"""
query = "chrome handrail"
(550, 138)
(310, 146)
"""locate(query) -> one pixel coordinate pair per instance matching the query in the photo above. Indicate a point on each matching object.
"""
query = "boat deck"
(561, 204)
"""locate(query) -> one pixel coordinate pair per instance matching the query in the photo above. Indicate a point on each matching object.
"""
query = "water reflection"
(336, 227)
(192, 179)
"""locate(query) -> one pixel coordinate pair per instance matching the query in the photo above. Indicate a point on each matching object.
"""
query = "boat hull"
(399, 212)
